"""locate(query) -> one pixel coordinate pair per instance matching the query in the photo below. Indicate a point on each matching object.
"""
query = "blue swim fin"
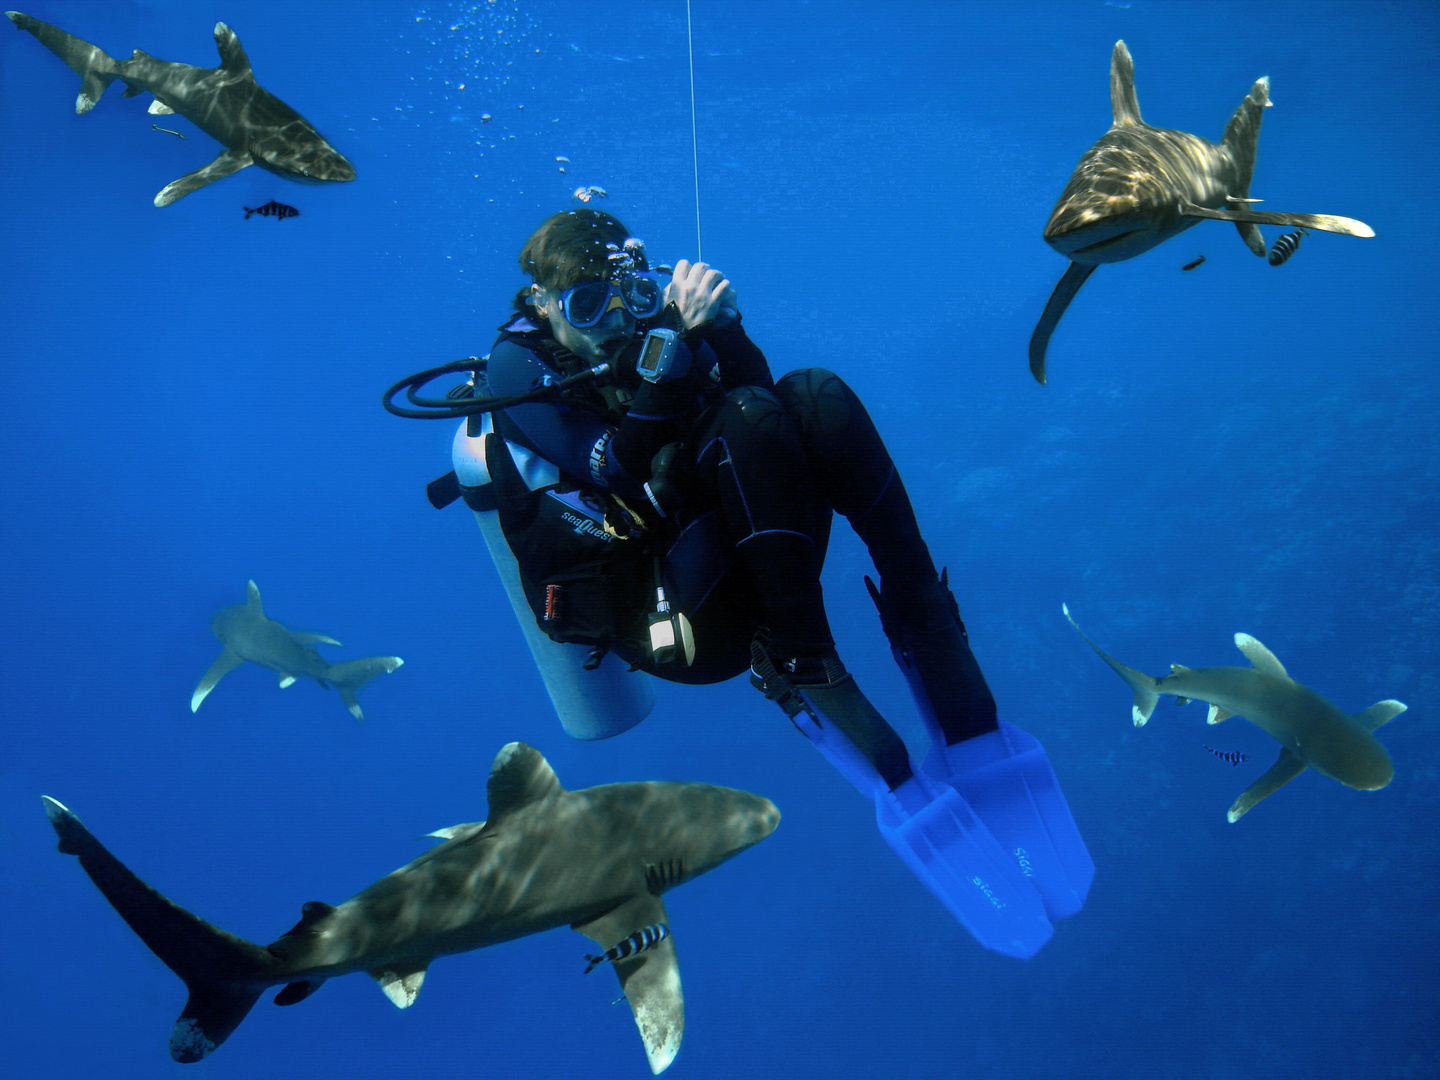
(1009, 783)
(926, 822)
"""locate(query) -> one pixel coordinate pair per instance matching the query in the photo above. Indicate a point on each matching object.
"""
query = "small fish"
(1234, 757)
(637, 942)
(168, 131)
(485, 118)
(277, 210)
(1193, 263)
(1285, 247)
(585, 194)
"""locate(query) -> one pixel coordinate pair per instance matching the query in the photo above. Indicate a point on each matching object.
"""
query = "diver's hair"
(569, 247)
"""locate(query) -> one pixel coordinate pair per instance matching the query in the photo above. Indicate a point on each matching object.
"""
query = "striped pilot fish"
(1285, 247)
(637, 942)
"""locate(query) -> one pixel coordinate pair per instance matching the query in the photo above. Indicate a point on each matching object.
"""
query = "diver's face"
(596, 344)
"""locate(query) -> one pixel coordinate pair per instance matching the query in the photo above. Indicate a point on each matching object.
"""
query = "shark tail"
(96, 68)
(224, 974)
(1241, 137)
(1146, 687)
(353, 674)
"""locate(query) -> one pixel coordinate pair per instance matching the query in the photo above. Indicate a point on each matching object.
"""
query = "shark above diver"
(1139, 186)
(247, 634)
(1312, 731)
(254, 126)
(598, 860)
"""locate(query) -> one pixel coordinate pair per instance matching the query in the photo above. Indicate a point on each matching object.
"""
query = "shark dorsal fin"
(1382, 712)
(1261, 657)
(401, 982)
(232, 54)
(520, 775)
(1123, 101)
(252, 599)
(310, 914)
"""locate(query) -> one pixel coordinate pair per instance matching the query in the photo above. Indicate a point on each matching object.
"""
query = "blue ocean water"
(193, 401)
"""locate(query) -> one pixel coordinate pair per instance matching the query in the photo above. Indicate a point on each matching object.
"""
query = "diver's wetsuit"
(766, 463)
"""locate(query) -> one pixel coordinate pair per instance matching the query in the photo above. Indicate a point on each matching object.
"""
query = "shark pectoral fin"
(158, 108)
(226, 662)
(401, 982)
(1065, 290)
(229, 161)
(1217, 714)
(650, 979)
(1379, 714)
(1322, 222)
(286, 680)
(1287, 766)
(1260, 657)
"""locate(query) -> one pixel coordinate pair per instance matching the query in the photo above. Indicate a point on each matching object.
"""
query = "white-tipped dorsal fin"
(519, 776)
(1123, 102)
(1261, 657)
(1382, 712)
(401, 982)
(286, 680)
(252, 598)
(1216, 714)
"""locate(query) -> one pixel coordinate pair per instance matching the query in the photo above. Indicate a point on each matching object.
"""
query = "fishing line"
(694, 142)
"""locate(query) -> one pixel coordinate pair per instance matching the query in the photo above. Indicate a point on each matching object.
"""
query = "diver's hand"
(702, 295)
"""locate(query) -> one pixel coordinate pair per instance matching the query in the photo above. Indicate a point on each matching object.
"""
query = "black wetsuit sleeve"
(741, 361)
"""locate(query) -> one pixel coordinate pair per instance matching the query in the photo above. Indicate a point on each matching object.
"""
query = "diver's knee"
(821, 400)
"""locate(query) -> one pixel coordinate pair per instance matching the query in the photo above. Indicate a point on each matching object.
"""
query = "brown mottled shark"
(1311, 730)
(1140, 185)
(597, 860)
(254, 126)
(247, 634)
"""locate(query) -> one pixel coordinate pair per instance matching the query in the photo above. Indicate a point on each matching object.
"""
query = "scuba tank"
(592, 701)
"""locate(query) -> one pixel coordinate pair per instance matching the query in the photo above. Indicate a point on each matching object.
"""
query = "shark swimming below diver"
(1139, 186)
(1311, 730)
(254, 126)
(247, 634)
(597, 860)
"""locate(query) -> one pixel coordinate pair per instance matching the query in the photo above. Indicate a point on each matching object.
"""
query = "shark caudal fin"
(224, 974)
(353, 674)
(96, 68)
(1145, 686)
(1241, 137)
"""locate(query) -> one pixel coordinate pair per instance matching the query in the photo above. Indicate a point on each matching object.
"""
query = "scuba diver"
(657, 502)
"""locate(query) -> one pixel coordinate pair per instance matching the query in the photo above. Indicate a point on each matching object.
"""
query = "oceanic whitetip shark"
(254, 126)
(1139, 185)
(247, 634)
(597, 860)
(1311, 730)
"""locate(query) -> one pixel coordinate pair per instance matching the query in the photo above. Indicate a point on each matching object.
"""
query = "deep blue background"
(192, 400)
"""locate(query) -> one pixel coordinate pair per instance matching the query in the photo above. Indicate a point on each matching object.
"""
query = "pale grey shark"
(1311, 730)
(254, 126)
(247, 634)
(1139, 185)
(597, 860)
